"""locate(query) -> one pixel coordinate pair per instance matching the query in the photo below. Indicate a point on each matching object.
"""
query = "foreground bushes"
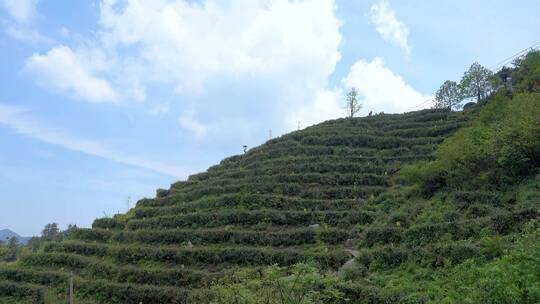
(33, 293)
(114, 293)
(512, 278)
(97, 269)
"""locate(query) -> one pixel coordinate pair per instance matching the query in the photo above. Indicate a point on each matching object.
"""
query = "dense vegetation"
(436, 207)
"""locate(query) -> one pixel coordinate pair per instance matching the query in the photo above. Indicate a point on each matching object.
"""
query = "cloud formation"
(19, 120)
(62, 71)
(187, 42)
(272, 47)
(23, 11)
(388, 26)
(380, 89)
(196, 51)
(20, 27)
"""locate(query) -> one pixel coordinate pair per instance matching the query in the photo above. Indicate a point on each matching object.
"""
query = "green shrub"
(499, 149)
(22, 291)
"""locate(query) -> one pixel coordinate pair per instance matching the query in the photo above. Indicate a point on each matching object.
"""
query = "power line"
(492, 68)
(424, 103)
(515, 55)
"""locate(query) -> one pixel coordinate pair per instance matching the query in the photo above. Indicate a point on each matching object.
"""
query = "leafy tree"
(34, 243)
(353, 106)
(66, 234)
(449, 96)
(50, 231)
(477, 82)
(13, 246)
(526, 75)
(4, 252)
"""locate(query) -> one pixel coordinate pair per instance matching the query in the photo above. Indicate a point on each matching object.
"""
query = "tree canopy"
(477, 82)
(449, 96)
(353, 106)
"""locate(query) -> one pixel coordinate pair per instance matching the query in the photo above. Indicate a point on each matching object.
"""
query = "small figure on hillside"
(245, 148)
(370, 113)
(189, 244)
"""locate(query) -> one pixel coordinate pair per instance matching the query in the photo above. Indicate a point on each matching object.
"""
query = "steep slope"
(300, 197)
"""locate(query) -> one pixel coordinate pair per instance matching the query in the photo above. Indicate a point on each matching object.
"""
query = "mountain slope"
(299, 197)
(420, 217)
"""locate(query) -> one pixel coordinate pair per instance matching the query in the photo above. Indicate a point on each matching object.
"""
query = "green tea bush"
(23, 291)
(247, 218)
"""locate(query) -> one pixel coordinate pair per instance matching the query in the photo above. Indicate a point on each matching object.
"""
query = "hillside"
(296, 198)
(6, 234)
(432, 206)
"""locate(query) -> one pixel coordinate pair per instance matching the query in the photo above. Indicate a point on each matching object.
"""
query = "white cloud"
(19, 120)
(189, 122)
(381, 89)
(26, 34)
(273, 47)
(20, 27)
(61, 70)
(186, 43)
(327, 104)
(23, 11)
(195, 47)
(388, 26)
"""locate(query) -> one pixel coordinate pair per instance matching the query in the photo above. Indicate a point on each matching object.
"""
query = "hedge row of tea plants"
(289, 237)
(250, 218)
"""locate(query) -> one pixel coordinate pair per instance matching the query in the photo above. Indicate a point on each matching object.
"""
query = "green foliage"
(353, 106)
(449, 96)
(500, 148)
(10, 251)
(4, 252)
(288, 237)
(526, 74)
(213, 219)
(477, 82)
(50, 231)
(512, 278)
(300, 284)
(30, 292)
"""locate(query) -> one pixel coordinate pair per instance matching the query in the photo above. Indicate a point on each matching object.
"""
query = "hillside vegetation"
(453, 223)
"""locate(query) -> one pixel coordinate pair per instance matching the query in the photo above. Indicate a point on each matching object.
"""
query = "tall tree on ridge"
(353, 106)
(449, 96)
(477, 82)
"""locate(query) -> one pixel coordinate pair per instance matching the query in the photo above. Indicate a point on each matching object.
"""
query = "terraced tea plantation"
(319, 194)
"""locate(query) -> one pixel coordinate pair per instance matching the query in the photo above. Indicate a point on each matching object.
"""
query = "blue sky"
(105, 100)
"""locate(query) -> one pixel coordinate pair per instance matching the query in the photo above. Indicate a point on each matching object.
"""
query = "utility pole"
(298, 125)
(71, 288)
(128, 202)
(269, 134)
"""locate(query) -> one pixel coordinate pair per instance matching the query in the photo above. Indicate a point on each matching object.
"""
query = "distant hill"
(6, 234)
